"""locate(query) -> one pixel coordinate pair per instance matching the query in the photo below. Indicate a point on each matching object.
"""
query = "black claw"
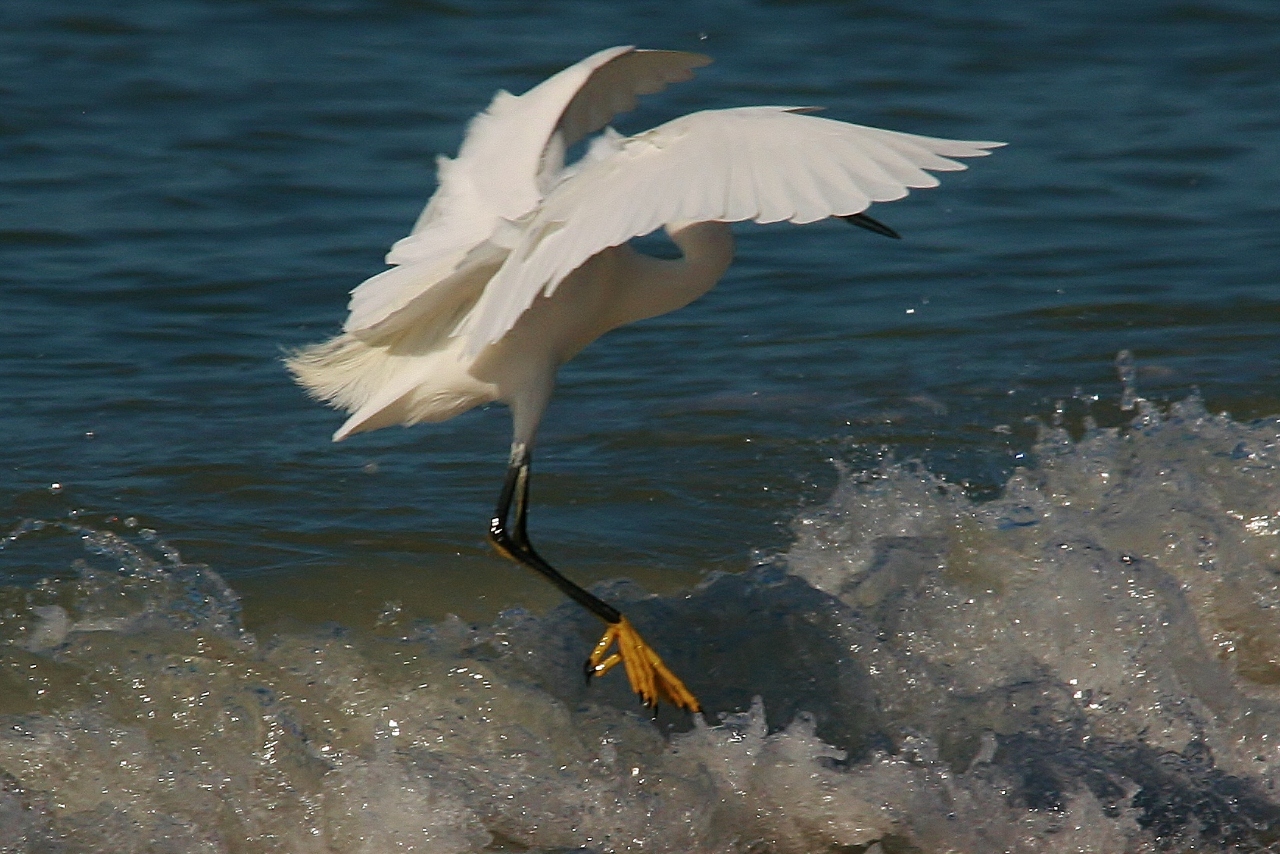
(863, 221)
(587, 671)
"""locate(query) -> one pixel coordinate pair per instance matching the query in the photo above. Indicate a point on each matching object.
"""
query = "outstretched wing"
(506, 149)
(766, 164)
(512, 153)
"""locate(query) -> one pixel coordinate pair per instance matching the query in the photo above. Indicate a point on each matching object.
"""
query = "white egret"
(520, 260)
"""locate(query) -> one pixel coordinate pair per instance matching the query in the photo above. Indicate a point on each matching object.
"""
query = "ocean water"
(967, 542)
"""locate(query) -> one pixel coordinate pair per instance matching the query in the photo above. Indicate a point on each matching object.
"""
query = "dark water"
(188, 187)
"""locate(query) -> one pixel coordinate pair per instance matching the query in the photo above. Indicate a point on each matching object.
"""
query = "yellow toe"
(650, 678)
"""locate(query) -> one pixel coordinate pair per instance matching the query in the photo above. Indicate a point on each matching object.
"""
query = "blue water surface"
(190, 187)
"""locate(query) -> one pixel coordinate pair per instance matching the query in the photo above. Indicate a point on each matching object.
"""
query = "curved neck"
(707, 246)
(654, 286)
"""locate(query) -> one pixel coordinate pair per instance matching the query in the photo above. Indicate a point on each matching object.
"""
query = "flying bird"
(520, 259)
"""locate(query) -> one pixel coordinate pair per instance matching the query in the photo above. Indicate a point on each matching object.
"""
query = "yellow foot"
(649, 677)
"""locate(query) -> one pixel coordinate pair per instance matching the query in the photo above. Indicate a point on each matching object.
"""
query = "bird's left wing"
(512, 153)
(766, 164)
(518, 143)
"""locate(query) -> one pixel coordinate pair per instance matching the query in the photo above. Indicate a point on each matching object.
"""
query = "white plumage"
(519, 260)
(509, 222)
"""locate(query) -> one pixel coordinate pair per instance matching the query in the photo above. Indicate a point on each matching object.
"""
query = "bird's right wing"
(766, 164)
(512, 153)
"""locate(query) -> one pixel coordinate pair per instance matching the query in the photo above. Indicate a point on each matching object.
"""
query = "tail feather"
(343, 371)
(391, 373)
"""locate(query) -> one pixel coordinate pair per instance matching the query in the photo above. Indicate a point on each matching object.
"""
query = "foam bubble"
(1085, 663)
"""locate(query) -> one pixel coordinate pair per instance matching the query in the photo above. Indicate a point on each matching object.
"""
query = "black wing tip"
(863, 221)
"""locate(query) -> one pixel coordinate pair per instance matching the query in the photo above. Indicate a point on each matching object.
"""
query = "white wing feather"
(766, 164)
(511, 153)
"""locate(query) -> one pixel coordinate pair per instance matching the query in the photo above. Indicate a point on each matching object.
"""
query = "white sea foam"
(1088, 663)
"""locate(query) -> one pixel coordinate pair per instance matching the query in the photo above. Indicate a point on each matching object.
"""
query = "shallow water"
(989, 598)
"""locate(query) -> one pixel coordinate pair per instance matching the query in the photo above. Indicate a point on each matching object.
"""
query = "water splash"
(1127, 371)
(1085, 663)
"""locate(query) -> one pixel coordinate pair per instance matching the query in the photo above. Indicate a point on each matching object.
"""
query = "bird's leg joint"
(621, 644)
(512, 541)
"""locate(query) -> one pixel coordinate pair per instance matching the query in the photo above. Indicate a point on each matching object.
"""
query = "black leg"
(514, 542)
(649, 677)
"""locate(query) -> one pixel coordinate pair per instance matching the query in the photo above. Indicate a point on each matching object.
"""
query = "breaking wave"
(1089, 662)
